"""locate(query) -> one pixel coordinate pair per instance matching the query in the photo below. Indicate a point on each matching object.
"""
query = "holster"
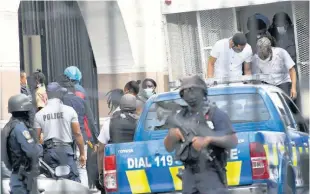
(74, 149)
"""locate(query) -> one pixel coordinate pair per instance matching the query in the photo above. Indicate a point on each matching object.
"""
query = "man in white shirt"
(278, 64)
(227, 57)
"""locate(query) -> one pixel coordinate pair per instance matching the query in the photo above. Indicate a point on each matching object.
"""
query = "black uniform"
(201, 119)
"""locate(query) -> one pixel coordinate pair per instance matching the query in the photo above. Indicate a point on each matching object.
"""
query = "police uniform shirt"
(55, 121)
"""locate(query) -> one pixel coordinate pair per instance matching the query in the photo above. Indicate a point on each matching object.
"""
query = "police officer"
(58, 123)
(22, 149)
(123, 123)
(216, 133)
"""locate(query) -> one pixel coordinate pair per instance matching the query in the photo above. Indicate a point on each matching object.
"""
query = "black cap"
(193, 82)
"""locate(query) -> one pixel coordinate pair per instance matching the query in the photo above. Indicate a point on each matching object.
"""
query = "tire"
(288, 182)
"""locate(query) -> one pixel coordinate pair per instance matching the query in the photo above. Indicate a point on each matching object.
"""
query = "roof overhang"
(178, 6)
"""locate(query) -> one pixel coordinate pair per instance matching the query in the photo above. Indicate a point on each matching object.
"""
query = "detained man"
(278, 64)
(227, 57)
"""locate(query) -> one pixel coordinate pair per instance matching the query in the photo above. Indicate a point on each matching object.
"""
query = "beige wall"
(9, 55)
(106, 82)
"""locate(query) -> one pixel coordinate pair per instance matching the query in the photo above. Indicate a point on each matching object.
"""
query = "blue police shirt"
(21, 144)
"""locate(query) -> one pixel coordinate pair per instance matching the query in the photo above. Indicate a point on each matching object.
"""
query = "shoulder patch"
(27, 135)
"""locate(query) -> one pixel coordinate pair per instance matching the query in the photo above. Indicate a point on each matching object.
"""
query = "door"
(294, 135)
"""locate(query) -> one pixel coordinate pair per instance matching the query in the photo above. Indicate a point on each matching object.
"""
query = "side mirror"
(62, 171)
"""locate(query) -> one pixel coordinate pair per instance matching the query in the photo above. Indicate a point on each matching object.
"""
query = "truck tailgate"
(144, 167)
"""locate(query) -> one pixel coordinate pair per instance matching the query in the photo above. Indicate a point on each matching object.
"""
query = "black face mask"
(194, 97)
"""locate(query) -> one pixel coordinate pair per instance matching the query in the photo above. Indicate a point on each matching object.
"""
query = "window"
(284, 113)
(299, 120)
(241, 108)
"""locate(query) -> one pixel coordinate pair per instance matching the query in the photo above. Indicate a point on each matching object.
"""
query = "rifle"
(28, 178)
(207, 153)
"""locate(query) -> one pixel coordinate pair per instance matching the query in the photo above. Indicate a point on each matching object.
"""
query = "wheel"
(289, 182)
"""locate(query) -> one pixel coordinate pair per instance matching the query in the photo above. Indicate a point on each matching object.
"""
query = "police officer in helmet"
(59, 123)
(20, 148)
(213, 131)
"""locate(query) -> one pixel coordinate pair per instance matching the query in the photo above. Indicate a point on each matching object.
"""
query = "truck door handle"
(293, 143)
(157, 153)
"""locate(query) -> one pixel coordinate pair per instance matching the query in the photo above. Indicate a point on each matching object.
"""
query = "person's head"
(65, 82)
(264, 49)
(73, 73)
(193, 90)
(132, 87)
(39, 77)
(281, 22)
(114, 98)
(258, 24)
(54, 90)
(149, 86)
(23, 78)
(19, 106)
(128, 103)
(238, 42)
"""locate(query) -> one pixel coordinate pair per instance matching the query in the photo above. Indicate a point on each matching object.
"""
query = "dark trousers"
(56, 156)
(286, 87)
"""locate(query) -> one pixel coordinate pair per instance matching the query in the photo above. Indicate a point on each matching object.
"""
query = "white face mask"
(281, 30)
(148, 92)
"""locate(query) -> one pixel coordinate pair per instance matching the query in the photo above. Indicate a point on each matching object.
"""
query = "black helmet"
(19, 103)
(128, 102)
(192, 82)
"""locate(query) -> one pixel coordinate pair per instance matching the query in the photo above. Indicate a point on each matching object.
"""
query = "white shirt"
(55, 120)
(104, 135)
(278, 67)
(228, 62)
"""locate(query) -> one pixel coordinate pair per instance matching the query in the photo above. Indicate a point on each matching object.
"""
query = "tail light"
(260, 169)
(110, 178)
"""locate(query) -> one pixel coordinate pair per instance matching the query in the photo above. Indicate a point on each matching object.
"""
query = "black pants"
(286, 87)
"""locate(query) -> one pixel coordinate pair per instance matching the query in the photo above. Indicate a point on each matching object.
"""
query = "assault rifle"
(207, 153)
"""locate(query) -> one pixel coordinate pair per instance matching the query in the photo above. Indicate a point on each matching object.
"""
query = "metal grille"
(301, 20)
(216, 25)
(184, 44)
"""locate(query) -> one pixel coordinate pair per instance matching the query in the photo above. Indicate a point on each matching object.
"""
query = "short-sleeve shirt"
(278, 67)
(41, 97)
(104, 136)
(228, 62)
(55, 120)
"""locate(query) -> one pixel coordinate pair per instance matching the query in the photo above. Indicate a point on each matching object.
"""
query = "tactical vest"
(5, 134)
(203, 126)
(122, 127)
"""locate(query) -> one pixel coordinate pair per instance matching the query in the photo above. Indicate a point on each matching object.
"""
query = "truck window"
(241, 108)
(284, 113)
(299, 120)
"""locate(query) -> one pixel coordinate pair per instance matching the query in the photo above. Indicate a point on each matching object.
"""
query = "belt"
(52, 143)
(197, 167)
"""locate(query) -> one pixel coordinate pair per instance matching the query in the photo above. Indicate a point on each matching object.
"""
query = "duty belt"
(54, 143)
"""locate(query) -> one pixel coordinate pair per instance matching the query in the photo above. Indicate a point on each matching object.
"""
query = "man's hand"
(293, 93)
(176, 133)
(201, 142)
(82, 160)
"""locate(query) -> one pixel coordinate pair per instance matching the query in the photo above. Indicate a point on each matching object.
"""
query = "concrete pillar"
(9, 55)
